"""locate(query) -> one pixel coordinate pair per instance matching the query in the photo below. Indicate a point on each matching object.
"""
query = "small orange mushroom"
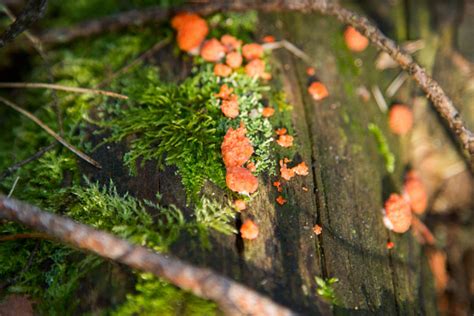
(301, 169)
(355, 41)
(230, 43)
(400, 119)
(310, 71)
(236, 148)
(241, 180)
(318, 91)
(415, 192)
(281, 200)
(252, 51)
(255, 68)
(222, 70)
(212, 50)
(230, 107)
(285, 140)
(390, 245)
(224, 92)
(268, 111)
(192, 30)
(285, 172)
(251, 166)
(233, 60)
(240, 205)
(277, 184)
(281, 131)
(249, 230)
(268, 39)
(398, 216)
(317, 229)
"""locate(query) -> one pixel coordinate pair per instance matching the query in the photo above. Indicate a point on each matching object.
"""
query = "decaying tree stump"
(347, 186)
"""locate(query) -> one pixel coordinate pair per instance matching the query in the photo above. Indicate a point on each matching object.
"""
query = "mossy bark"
(347, 185)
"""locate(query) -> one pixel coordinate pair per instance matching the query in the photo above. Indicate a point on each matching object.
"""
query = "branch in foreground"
(441, 102)
(48, 130)
(232, 298)
(39, 85)
(33, 10)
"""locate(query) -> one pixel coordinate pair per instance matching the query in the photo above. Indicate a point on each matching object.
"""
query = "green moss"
(155, 297)
(383, 147)
(326, 289)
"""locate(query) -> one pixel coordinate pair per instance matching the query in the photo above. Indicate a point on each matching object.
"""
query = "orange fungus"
(398, 214)
(281, 200)
(318, 90)
(249, 230)
(236, 148)
(230, 42)
(355, 41)
(301, 169)
(241, 180)
(252, 51)
(285, 140)
(222, 70)
(268, 39)
(224, 92)
(233, 60)
(192, 30)
(400, 119)
(230, 107)
(416, 194)
(240, 205)
(268, 111)
(212, 50)
(317, 229)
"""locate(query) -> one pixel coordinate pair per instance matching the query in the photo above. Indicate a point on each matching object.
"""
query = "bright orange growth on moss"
(212, 50)
(317, 229)
(285, 172)
(256, 68)
(301, 169)
(192, 30)
(230, 42)
(240, 205)
(230, 106)
(398, 214)
(355, 41)
(390, 245)
(285, 140)
(318, 91)
(249, 230)
(400, 119)
(233, 60)
(268, 39)
(416, 194)
(281, 131)
(224, 92)
(241, 180)
(222, 70)
(277, 184)
(268, 111)
(236, 148)
(251, 167)
(281, 200)
(252, 51)
(310, 71)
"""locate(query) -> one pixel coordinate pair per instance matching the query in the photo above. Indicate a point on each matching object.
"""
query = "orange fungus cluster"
(192, 30)
(249, 230)
(355, 41)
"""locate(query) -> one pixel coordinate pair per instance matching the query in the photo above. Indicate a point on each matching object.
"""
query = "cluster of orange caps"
(400, 210)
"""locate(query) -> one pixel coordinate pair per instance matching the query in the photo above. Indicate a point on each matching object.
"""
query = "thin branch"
(33, 11)
(232, 298)
(20, 164)
(441, 102)
(38, 85)
(51, 132)
(25, 236)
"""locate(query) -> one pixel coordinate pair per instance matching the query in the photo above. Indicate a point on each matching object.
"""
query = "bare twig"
(13, 187)
(38, 85)
(51, 132)
(441, 102)
(33, 10)
(25, 236)
(232, 298)
(20, 164)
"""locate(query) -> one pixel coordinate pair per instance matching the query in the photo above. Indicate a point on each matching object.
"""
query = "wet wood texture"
(347, 187)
